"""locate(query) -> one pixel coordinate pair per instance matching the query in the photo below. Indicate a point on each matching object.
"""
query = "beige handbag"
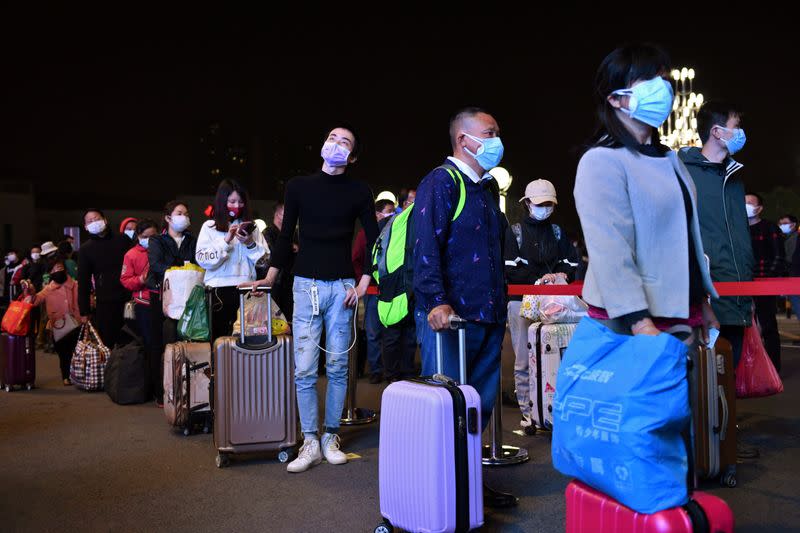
(130, 310)
(64, 326)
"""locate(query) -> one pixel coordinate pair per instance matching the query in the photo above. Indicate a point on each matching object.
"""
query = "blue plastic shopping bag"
(621, 404)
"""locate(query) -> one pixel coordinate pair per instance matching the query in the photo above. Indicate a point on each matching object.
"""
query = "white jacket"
(227, 264)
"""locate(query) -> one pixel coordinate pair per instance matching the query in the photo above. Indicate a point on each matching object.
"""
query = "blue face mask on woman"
(490, 152)
(650, 101)
(736, 142)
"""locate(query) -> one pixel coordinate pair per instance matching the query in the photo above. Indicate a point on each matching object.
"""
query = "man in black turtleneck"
(100, 260)
(534, 249)
(326, 205)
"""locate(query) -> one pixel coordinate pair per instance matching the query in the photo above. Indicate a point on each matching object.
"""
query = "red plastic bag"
(17, 319)
(756, 375)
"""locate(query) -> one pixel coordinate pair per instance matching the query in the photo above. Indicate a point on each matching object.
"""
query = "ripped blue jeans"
(307, 330)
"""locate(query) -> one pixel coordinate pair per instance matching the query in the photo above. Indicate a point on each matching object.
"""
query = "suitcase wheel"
(8, 388)
(384, 527)
(728, 479)
(530, 430)
(283, 456)
(187, 432)
(29, 386)
(222, 460)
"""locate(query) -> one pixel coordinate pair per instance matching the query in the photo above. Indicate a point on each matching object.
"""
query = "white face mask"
(751, 210)
(541, 212)
(179, 223)
(12, 258)
(36, 257)
(786, 228)
(130, 233)
(144, 243)
(97, 227)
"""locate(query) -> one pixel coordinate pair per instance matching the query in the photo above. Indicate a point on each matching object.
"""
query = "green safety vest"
(392, 256)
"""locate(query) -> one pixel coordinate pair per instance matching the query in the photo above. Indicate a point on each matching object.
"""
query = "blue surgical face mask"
(736, 142)
(490, 152)
(650, 101)
(144, 242)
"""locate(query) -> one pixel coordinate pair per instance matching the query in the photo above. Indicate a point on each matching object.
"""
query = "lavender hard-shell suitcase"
(429, 458)
(17, 361)
(253, 392)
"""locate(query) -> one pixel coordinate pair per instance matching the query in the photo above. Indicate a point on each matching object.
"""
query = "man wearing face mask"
(723, 220)
(458, 261)
(535, 249)
(326, 205)
(770, 262)
(10, 266)
(99, 266)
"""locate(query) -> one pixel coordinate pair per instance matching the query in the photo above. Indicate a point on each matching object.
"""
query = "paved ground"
(76, 461)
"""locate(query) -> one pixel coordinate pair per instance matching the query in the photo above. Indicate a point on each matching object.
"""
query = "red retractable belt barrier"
(760, 287)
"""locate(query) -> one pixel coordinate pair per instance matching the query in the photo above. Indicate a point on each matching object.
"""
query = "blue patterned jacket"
(459, 262)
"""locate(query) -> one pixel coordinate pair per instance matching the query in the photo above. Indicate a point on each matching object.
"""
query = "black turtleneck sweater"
(326, 208)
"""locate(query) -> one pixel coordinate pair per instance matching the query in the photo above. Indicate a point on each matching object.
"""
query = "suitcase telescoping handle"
(244, 291)
(459, 324)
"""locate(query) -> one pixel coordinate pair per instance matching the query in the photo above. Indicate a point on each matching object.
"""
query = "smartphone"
(246, 228)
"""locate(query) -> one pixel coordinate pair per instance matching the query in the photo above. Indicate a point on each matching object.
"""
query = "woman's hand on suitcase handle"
(709, 320)
(439, 317)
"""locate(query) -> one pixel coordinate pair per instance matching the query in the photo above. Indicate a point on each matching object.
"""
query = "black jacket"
(101, 258)
(545, 249)
(34, 272)
(163, 253)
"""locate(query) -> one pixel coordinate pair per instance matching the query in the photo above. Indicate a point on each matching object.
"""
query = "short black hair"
(170, 206)
(64, 249)
(92, 209)
(380, 205)
(145, 224)
(714, 113)
(357, 145)
(792, 218)
(461, 114)
(758, 197)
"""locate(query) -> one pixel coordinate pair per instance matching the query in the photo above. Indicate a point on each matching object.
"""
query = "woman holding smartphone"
(228, 248)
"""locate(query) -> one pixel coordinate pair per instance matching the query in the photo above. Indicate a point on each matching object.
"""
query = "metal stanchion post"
(496, 453)
(352, 415)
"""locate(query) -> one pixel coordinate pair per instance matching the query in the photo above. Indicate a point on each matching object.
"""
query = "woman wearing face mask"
(61, 298)
(638, 208)
(135, 267)
(10, 267)
(174, 247)
(99, 265)
(535, 249)
(228, 247)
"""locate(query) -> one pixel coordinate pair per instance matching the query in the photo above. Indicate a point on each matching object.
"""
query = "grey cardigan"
(634, 222)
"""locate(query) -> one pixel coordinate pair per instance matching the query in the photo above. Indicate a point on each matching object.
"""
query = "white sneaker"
(331, 451)
(309, 456)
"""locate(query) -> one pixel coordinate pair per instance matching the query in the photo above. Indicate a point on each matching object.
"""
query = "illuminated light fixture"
(680, 129)
(504, 179)
(386, 195)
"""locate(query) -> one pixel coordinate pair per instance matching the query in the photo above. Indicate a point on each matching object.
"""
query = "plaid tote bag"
(87, 369)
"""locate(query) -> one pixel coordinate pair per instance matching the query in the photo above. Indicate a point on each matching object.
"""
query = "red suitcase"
(589, 510)
(17, 361)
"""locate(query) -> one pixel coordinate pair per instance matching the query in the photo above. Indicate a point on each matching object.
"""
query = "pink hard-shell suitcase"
(589, 510)
(429, 458)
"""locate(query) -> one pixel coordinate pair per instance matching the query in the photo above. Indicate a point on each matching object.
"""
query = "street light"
(504, 180)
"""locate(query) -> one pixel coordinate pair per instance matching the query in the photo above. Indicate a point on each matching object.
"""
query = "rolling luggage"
(430, 451)
(253, 391)
(715, 414)
(546, 345)
(589, 510)
(17, 361)
(187, 373)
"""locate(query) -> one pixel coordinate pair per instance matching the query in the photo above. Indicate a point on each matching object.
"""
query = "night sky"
(114, 111)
